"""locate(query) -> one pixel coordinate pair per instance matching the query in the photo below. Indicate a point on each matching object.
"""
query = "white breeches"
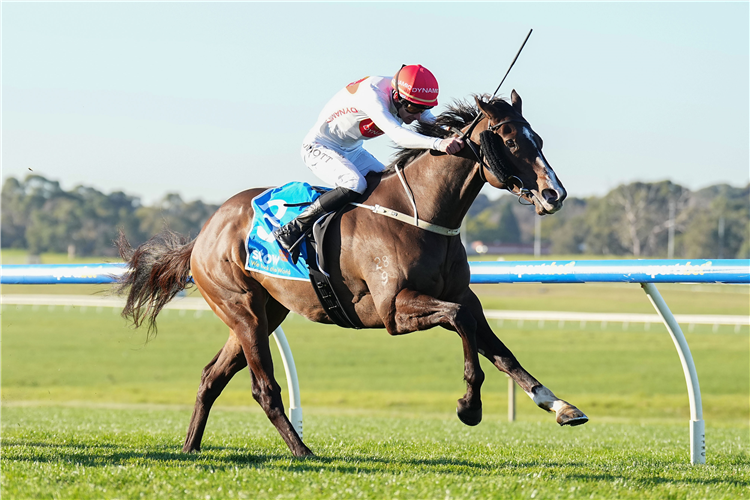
(340, 168)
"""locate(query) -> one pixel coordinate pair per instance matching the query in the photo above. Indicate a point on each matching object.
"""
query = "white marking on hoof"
(565, 413)
(546, 400)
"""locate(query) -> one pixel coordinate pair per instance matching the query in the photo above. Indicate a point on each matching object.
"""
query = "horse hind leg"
(216, 375)
(247, 316)
(267, 391)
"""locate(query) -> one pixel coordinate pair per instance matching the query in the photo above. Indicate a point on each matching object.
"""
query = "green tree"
(635, 219)
(566, 231)
(39, 215)
(495, 223)
(719, 224)
(509, 230)
(174, 213)
(14, 217)
(20, 201)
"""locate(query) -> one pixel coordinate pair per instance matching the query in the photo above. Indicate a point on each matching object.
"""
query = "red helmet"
(416, 84)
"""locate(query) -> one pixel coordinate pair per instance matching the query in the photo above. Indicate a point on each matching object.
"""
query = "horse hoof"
(468, 416)
(572, 416)
(304, 453)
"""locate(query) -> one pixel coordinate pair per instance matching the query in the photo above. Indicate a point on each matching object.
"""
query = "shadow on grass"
(217, 458)
(87, 454)
(221, 458)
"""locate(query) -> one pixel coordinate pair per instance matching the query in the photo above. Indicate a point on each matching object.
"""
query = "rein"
(466, 136)
(494, 156)
(486, 150)
(489, 148)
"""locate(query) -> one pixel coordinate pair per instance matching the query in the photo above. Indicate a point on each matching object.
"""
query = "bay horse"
(387, 273)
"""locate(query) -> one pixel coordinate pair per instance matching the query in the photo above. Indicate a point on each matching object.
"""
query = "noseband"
(491, 147)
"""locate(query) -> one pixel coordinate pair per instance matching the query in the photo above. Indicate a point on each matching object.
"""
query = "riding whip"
(473, 124)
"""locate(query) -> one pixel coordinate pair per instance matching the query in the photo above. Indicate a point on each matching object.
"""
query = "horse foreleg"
(415, 311)
(216, 375)
(491, 347)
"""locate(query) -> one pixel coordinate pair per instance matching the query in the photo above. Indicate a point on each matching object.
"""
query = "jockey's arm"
(402, 136)
(375, 107)
(375, 104)
(450, 145)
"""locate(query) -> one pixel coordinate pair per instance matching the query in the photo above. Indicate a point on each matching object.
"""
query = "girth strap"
(408, 219)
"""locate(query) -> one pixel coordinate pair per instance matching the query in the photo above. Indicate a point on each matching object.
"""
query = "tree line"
(39, 216)
(661, 219)
(657, 220)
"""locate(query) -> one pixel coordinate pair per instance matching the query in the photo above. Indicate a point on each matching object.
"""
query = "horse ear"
(515, 100)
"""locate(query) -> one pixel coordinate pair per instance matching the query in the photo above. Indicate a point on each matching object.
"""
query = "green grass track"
(103, 453)
(91, 409)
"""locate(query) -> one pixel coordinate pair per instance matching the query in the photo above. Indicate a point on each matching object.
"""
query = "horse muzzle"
(548, 200)
(549, 194)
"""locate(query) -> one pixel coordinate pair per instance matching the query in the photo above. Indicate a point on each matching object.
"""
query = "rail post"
(697, 425)
(295, 406)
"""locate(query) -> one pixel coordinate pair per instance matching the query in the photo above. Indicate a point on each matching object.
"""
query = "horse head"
(514, 158)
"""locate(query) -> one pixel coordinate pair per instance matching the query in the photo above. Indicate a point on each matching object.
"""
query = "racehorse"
(387, 273)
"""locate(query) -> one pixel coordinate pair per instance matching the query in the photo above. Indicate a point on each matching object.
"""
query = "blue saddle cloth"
(264, 254)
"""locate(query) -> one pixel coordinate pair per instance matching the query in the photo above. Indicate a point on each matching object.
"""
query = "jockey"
(364, 109)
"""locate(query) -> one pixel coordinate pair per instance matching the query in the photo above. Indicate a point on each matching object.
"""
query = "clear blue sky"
(207, 99)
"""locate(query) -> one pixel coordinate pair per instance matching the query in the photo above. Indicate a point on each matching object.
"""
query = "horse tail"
(158, 270)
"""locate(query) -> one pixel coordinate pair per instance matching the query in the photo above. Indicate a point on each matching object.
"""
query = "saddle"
(275, 207)
(320, 279)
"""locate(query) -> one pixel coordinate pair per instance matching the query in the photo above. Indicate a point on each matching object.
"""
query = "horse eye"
(510, 143)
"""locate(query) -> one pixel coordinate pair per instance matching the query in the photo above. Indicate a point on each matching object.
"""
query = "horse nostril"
(550, 195)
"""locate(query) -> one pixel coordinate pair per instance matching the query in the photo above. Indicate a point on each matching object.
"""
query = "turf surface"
(92, 410)
(103, 453)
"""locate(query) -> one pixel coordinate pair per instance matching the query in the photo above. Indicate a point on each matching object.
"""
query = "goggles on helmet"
(414, 109)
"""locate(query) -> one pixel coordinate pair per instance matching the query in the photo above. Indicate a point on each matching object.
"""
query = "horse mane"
(458, 114)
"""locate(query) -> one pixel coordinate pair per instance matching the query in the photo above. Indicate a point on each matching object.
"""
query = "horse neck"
(444, 187)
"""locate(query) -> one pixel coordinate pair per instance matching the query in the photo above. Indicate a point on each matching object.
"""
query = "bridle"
(510, 181)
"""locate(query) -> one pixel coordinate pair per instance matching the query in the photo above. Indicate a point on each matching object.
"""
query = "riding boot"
(291, 234)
